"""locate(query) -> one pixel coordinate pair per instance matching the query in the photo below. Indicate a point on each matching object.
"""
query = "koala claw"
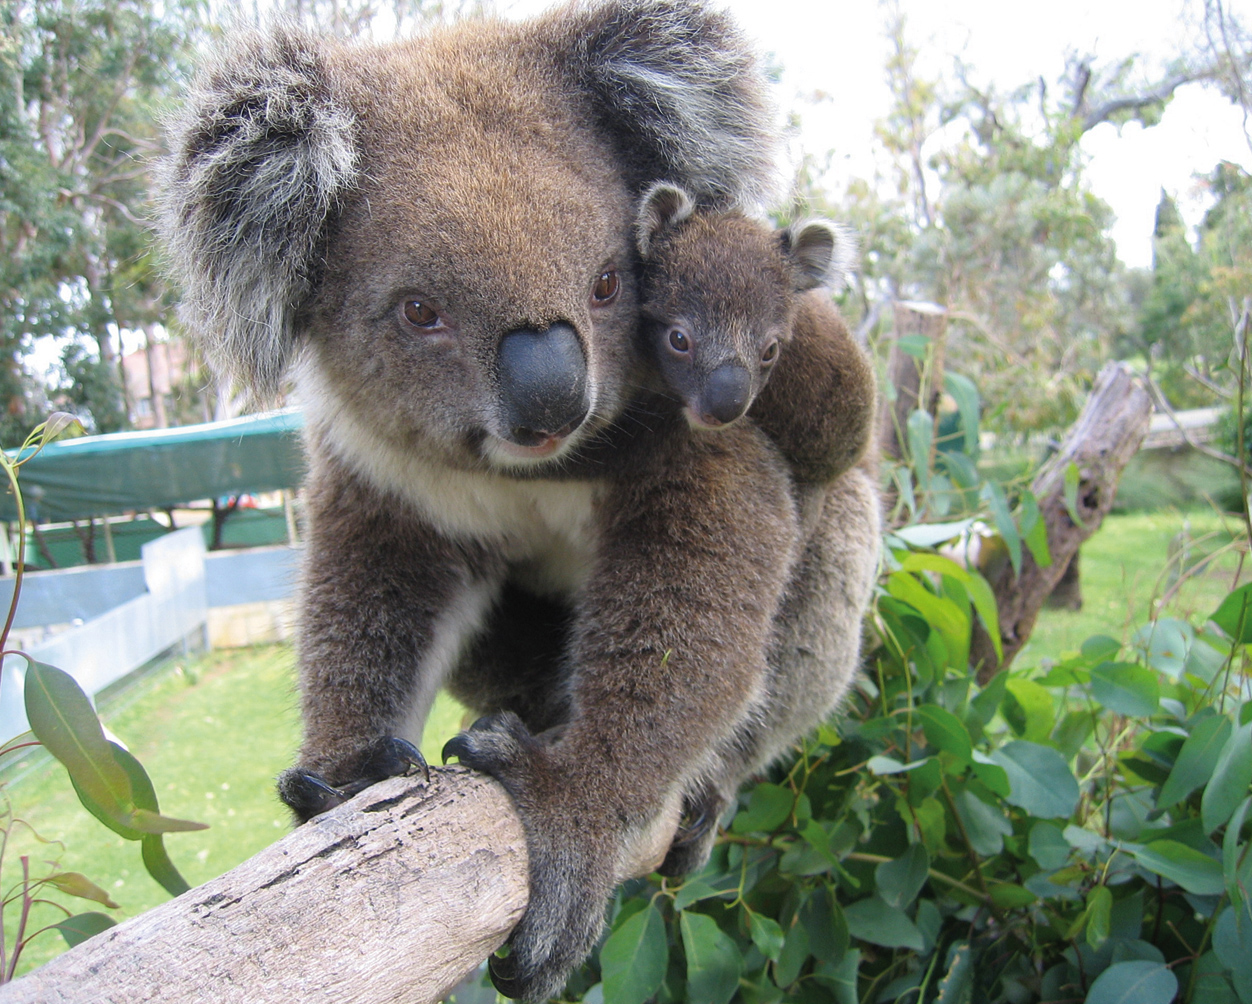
(307, 794)
(503, 969)
(391, 757)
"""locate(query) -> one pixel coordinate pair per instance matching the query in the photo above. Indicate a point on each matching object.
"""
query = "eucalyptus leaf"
(713, 959)
(900, 881)
(77, 929)
(1196, 760)
(1126, 688)
(945, 732)
(1040, 779)
(993, 495)
(1194, 870)
(1139, 982)
(769, 806)
(634, 958)
(1231, 776)
(1234, 616)
(874, 921)
(965, 393)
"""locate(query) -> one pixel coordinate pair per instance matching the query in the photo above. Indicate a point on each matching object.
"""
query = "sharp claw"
(503, 971)
(455, 747)
(411, 755)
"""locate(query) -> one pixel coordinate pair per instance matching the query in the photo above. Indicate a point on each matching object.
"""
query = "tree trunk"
(1101, 443)
(393, 897)
(904, 373)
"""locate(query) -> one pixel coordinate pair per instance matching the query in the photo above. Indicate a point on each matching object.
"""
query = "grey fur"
(262, 154)
(823, 253)
(664, 205)
(680, 81)
(640, 610)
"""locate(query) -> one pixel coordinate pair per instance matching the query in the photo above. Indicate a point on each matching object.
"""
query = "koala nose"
(543, 383)
(726, 393)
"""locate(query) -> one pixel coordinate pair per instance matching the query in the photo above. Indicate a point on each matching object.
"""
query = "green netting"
(125, 471)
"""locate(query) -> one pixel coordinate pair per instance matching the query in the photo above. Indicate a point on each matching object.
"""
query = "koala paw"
(309, 794)
(570, 862)
(693, 841)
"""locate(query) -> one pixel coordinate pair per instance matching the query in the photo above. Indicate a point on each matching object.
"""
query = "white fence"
(106, 648)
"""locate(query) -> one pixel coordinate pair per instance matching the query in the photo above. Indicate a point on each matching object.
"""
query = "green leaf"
(1099, 915)
(1073, 478)
(769, 806)
(1234, 616)
(840, 977)
(920, 561)
(63, 720)
(945, 732)
(713, 960)
(75, 930)
(1035, 530)
(159, 865)
(766, 935)
(993, 495)
(921, 434)
(1137, 982)
(873, 920)
(1127, 688)
(900, 881)
(75, 884)
(56, 425)
(939, 611)
(914, 345)
(984, 601)
(957, 985)
(985, 825)
(1194, 870)
(1048, 846)
(824, 922)
(146, 821)
(1100, 648)
(1007, 896)
(1028, 709)
(634, 958)
(1231, 776)
(933, 534)
(1196, 760)
(890, 765)
(1232, 938)
(964, 392)
(1165, 645)
(1231, 851)
(794, 954)
(1040, 780)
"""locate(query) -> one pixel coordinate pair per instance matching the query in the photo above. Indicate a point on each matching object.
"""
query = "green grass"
(1127, 572)
(212, 732)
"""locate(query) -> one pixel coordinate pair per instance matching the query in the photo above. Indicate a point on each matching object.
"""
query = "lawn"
(214, 730)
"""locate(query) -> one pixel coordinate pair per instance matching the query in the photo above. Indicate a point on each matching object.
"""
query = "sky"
(837, 50)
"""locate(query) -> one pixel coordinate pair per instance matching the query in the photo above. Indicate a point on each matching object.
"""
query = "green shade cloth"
(160, 468)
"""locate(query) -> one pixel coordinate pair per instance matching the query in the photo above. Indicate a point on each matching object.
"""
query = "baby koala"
(724, 298)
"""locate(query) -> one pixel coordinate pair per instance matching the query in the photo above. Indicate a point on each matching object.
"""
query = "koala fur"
(723, 296)
(435, 237)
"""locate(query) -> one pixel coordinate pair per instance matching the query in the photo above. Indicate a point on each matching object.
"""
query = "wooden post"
(1101, 443)
(393, 897)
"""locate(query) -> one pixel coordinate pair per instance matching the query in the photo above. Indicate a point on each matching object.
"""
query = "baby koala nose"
(726, 394)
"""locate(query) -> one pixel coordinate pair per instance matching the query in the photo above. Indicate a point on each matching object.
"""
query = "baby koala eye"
(420, 315)
(678, 340)
(770, 354)
(606, 288)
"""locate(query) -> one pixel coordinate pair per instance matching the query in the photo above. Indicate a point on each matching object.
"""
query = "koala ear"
(821, 253)
(260, 157)
(663, 206)
(677, 87)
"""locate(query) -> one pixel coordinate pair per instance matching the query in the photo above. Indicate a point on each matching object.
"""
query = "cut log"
(394, 896)
(1107, 434)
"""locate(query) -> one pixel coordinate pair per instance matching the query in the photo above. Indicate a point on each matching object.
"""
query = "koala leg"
(813, 656)
(668, 650)
(388, 606)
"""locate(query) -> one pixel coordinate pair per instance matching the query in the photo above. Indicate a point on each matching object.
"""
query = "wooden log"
(394, 896)
(1107, 434)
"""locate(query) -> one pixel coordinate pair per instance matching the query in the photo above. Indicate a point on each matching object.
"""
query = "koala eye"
(770, 354)
(605, 289)
(678, 340)
(420, 315)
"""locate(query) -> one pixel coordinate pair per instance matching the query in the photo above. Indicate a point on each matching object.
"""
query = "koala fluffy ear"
(663, 206)
(821, 253)
(679, 90)
(260, 157)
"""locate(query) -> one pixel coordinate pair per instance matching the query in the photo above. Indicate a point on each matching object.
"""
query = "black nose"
(726, 393)
(543, 383)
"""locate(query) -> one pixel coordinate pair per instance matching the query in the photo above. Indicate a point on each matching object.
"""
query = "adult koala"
(436, 235)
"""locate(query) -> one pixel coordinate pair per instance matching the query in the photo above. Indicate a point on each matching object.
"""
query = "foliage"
(1077, 832)
(110, 783)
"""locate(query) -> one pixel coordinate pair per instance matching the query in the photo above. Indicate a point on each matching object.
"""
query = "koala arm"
(668, 652)
(387, 601)
(819, 405)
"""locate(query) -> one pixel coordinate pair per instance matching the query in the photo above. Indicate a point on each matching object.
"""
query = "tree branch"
(393, 897)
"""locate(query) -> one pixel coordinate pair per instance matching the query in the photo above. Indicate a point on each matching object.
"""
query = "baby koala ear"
(821, 253)
(664, 205)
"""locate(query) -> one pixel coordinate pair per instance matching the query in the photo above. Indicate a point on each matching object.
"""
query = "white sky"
(837, 49)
